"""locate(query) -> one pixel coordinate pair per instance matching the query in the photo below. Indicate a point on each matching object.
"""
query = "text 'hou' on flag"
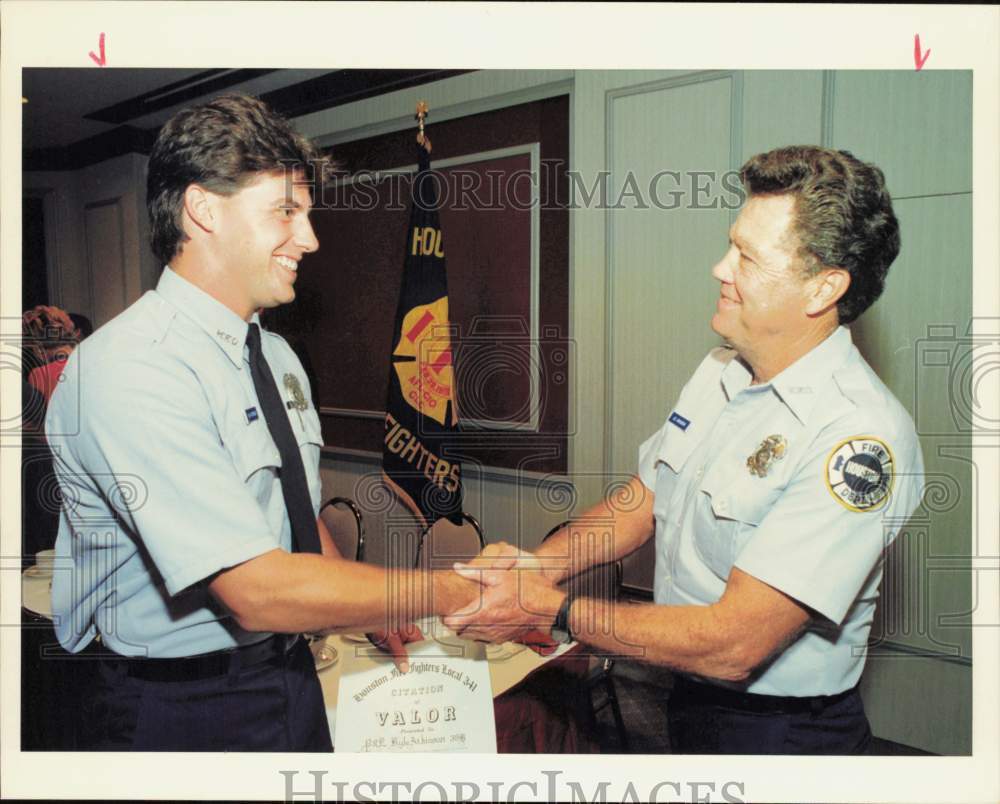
(421, 414)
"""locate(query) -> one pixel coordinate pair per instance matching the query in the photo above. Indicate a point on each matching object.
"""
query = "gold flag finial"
(422, 138)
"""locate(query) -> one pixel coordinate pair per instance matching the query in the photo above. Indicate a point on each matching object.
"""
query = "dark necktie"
(305, 535)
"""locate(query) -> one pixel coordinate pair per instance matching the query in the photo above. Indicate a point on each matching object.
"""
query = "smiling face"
(262, 232)
(764, 297)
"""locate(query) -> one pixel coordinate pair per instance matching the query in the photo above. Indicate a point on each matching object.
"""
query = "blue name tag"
(680, 421)
(251, 415)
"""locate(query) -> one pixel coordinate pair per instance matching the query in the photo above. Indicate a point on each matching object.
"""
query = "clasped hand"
(518, 601)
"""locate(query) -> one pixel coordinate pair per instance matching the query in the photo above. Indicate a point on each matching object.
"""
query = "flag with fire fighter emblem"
(421, 415)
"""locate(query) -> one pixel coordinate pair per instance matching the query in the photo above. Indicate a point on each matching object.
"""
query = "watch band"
(560, 630)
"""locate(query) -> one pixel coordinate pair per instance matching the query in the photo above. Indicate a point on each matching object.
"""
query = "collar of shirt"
(799, 385)
(221, 324)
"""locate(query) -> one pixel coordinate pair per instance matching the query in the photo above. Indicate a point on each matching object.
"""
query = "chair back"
(343, 519)
(603, 580)
(444, 543)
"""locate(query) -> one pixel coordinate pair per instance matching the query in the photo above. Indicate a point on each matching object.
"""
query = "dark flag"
(421, 414)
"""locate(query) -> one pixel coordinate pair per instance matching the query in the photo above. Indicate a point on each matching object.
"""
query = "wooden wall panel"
(661, 294)
(105, 259)
(781, 107)
(916, 126)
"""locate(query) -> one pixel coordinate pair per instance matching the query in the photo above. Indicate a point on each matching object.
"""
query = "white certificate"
(444, 703)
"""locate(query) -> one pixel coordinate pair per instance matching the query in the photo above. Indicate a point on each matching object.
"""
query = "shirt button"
(722, 505)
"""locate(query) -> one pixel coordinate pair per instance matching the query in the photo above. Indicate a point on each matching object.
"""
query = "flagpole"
(422, 138)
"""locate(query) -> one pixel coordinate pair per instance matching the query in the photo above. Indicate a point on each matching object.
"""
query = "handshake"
(516, 599)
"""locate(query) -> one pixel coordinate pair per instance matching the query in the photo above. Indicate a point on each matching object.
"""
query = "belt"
(696, 692)
(207, 665)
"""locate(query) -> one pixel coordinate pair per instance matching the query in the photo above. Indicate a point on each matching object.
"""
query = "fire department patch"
(859, 473)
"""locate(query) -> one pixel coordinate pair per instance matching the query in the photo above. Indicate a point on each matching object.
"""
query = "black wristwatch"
(560, 631)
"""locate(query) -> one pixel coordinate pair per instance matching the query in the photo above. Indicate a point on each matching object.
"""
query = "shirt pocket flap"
(677, 447)
(254, 450)
(307, 428)
(747, 500)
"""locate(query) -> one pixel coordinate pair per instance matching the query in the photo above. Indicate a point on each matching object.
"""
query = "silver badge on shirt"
(771, 449)
(298, 400)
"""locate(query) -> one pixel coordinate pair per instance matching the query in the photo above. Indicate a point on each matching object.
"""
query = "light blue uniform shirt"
(814, 526)
(168, 473)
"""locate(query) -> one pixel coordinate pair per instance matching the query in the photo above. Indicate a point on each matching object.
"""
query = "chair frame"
(359, 552)
(466, 517)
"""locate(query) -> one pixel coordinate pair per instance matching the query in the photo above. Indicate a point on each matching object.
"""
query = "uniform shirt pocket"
(309, 435)
(254, 453)
(255, 457)
(306, 427)
(732, 508)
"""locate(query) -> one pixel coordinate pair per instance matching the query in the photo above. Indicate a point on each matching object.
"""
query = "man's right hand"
(514, 602)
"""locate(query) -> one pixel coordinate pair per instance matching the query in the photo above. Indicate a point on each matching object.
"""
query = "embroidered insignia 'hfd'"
(859, 473)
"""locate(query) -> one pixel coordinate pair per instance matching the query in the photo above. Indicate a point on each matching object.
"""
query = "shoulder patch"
(859, 473)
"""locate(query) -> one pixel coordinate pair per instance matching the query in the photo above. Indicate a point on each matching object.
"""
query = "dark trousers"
(273, 705)
(704, 719)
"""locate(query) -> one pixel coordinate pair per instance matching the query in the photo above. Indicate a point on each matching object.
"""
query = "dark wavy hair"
(220, 145)
(843, 215)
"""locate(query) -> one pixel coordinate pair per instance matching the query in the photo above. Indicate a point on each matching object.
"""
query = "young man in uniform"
(188, 459)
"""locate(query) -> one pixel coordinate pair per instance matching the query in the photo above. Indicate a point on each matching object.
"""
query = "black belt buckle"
(285, 643)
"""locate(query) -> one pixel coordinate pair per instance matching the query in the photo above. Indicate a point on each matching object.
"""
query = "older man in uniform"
(781, 474)
(188, 459)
